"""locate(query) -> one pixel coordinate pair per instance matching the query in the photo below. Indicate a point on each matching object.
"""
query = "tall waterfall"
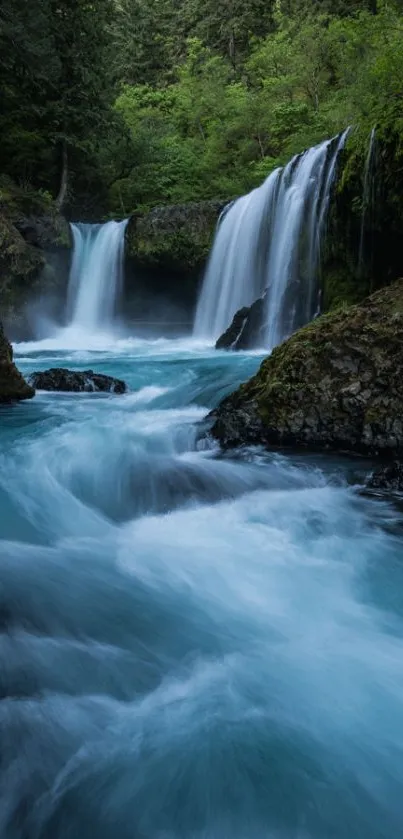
(270, 240)
(96, 274)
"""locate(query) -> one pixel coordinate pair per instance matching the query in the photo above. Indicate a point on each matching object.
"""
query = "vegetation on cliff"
(337, 384)
(178, 236)
(30, 228)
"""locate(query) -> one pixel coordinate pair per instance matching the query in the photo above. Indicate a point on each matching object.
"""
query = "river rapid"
(193, 645)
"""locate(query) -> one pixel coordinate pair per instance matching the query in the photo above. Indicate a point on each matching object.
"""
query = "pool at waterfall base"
(194, 645)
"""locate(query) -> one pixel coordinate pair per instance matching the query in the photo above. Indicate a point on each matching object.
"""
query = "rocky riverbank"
(336, 384)
(13, 386)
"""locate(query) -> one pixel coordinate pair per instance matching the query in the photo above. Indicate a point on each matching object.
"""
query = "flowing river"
(193, 645)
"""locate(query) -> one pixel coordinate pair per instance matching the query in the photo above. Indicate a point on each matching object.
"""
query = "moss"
(178, 236)
(347, 278)
(30, 225)
(18, 260)
(12, 384)
(336, 383)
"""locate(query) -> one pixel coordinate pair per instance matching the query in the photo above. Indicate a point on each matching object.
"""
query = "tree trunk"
(64, 179)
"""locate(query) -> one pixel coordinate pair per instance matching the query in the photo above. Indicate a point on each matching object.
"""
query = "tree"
(56, 85)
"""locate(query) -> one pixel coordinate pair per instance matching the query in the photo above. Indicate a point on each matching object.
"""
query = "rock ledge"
(336, 384)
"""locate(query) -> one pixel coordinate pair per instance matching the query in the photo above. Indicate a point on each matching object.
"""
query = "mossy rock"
(358, 258)
(35, 215)
(31, 229)
(19, 261)
(178, 236)
(336, 384)
(13, 386)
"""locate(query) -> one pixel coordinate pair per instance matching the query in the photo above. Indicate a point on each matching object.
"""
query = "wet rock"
(387, 477)
(74, 381)
(13, 386)
(247, 328)
(177, 236)
(336, 384)
(34, 253)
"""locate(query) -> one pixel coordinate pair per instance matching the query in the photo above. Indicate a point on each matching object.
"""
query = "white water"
(367, 197)
(192, 646)
(96, 276)
(270, 239)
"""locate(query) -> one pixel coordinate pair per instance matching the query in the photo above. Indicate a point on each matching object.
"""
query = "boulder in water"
(76, 381)
(12, 384)
(335, 384)
(247, 328)
(388, 477)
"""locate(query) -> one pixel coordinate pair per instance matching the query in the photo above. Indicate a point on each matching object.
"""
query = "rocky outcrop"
(32, 235)
(177, 236)
(389, 477)
(74, 381)
(13, 386)
(336, 384)
(362, 249)
(246, 330)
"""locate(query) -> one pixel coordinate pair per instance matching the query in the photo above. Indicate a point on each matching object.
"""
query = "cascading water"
(270, 240)
(192, 646)
(368, 197)
(96, 274)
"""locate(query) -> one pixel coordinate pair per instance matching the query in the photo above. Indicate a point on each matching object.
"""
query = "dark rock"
(388, 477)
(12, 384)
(86, 381)
(33, 235)
(177, 236)
(45, 232)
(336, 384)
(247, 328)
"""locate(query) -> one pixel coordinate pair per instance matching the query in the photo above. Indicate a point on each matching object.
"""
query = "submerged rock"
(75, 381)
(12, 384)
(388, 477)
(246, 330)
(336, 384)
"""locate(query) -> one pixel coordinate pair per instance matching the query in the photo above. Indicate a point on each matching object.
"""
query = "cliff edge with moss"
(31, 231)
(174, 237)
(336, 384)
(12, 384)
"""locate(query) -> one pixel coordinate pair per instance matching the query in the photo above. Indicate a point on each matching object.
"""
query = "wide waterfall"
(270, 240)
(96, 274)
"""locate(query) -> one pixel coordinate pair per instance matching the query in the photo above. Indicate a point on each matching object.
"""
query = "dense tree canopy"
(156, 101)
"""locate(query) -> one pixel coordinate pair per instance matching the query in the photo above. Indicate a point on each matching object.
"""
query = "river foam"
(193, 645)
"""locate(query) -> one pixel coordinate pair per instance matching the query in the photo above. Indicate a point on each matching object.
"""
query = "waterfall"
(270, 240)
(367, 198)
(96, 274)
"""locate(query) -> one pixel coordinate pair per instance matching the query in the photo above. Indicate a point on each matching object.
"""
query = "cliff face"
(12, 384)
(336, 384)
(362, 250)
(31, 232)
(179, 236)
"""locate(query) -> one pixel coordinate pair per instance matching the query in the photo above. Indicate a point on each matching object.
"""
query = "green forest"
(146, 102)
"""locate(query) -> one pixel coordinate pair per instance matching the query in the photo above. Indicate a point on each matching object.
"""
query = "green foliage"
(56, 83)
(164, 101)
